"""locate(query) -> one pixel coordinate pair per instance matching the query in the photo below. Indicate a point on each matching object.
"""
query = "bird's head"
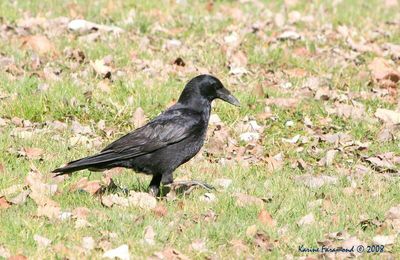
(207, 87)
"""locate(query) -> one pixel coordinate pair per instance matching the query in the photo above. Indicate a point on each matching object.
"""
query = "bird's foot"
(189, 186)
(115, 188)
(154, 190)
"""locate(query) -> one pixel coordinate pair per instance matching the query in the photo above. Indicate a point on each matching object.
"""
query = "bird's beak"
(225, 95)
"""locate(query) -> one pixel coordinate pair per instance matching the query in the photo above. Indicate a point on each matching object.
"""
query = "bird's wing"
(170, 127)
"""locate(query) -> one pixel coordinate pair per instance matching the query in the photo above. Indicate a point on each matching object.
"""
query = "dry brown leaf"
(3, 203)
(258, 91)
(91, 187)
(81, 212)
(121, 252)
(160, 211)
(38, 43)
(142, 200)
(4, 252)
(316, 182)
(380, 163)
(31, 153)
(393, 212)
(243, 200)
(20, 198)
(273, 164)
(381, 70)
(149, 235)
(41, 241)
(139, 118)
(327, 160)
(18, 257)
(263, 241)
(384, 240)
(266, 218)
(388, 116)
(170, 254)
(283, 102)
(88, 243)
(356, 111)
(306, 220)
(199, 245)
(40, 191)
(110, 200)
(50, 211)
(101, 68)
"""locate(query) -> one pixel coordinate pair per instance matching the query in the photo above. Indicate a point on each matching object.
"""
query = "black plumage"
(167, 141)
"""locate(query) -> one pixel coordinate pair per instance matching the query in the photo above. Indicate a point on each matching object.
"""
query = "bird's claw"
(154, 191)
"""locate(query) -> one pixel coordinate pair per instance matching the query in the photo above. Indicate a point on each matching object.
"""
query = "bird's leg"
(154, 187)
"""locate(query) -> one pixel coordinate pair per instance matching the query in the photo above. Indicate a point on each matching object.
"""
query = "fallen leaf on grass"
(41, 241)
(289, 35)
(238, 246)
(40, 190)
(306, 220)
(393, 212)
(49, 211)
(160, 210)
(327, 160)
(139, 118)
(355, 111)
(149, 235)
(80, 212)
(4, 252)
(388, 116)
(20, 198)
(39, 43)
(223, 183)
(91, 187)
(382, 70)
(101, 68)
(348, 244)
(266, 218)
(31, 153)
(121, 252)
(341, 235)
(170, 254)
(84, 27)
(380, 163)
(142, 200)
(263, 241)
(243, 200)
(17, 257)
(251, 231)
(110, 200)
(4, 204)
(316, 182)
(81, 223)
(384, 240)
(199, 245)
(135, 199)
(88, 243)
(283, 102)
(208, 197)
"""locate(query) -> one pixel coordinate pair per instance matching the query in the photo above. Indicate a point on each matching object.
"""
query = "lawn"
(310, 160)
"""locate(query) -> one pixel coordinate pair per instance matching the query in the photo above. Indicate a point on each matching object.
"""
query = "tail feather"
(95, 161)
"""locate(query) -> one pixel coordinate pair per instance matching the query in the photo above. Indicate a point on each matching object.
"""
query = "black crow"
(167, 141)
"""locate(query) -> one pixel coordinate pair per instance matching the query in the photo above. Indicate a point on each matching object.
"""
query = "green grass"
(144, 77)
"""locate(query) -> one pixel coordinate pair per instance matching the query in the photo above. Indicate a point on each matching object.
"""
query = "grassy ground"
(143, 76)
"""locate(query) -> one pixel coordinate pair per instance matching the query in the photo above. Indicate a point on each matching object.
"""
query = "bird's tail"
(94, 162)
